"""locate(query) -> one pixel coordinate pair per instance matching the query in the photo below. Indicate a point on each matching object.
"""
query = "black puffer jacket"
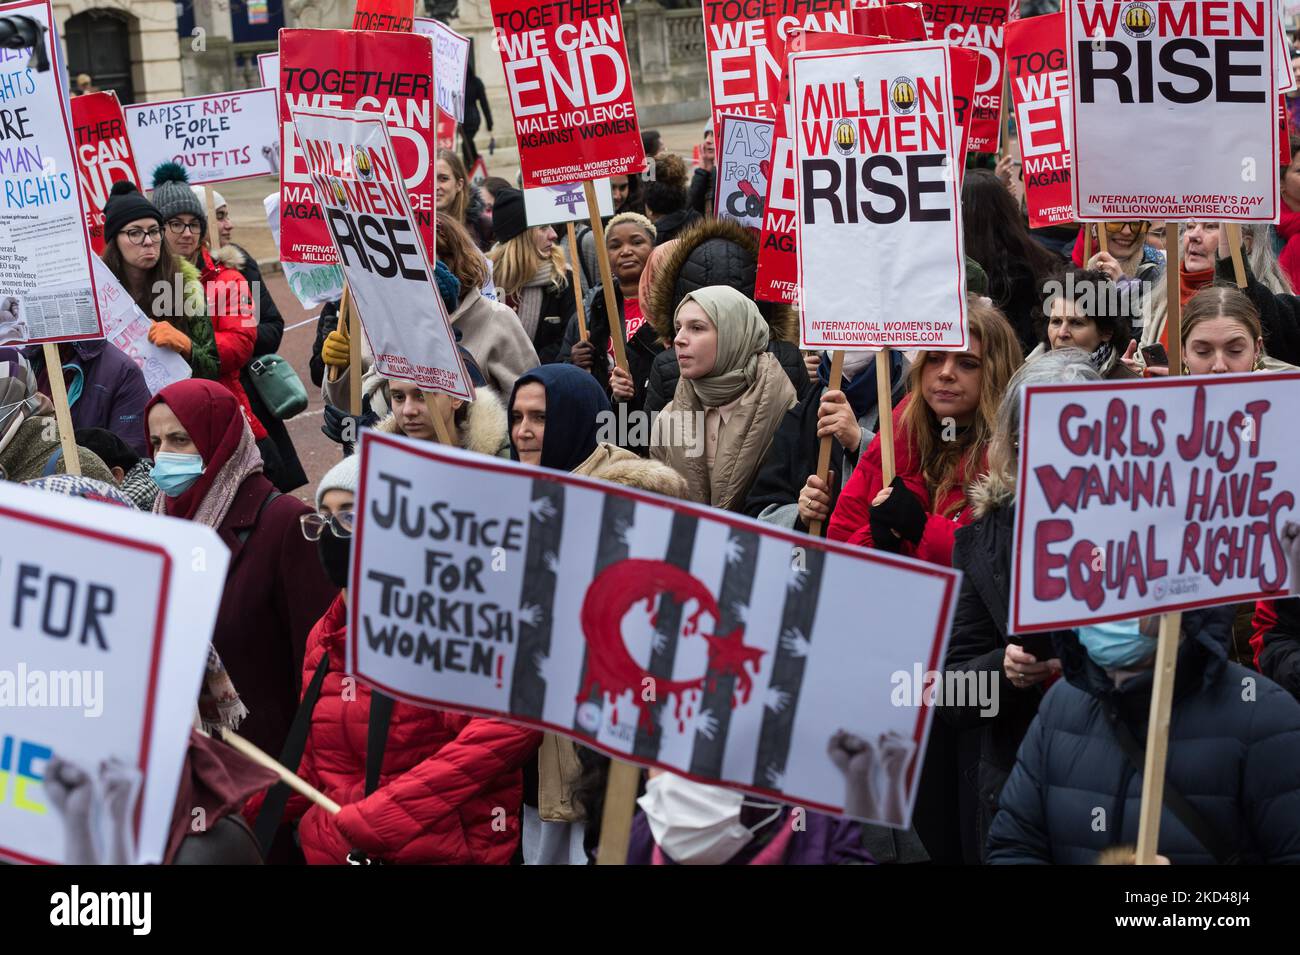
(1234, 755)
(672, 225)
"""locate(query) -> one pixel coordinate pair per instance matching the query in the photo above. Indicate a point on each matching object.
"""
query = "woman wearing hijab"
(733, 386)
(29, 437)
(208, 467)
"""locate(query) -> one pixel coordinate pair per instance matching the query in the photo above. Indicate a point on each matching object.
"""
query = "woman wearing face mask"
(209, 470)
(629, 239)
(730, 388)
(1234, 757)
(531, 275)
(980, 642)
(1084, 309)
(29, 436)
(449, 785)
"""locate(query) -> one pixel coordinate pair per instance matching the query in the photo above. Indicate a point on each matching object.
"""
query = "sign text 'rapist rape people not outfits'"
(1153, 496)
(570, 89)
(875, 181)
(660, 632)
(359, 186)
(1192, 83)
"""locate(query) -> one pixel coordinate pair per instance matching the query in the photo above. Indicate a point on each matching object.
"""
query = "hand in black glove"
(343, 428)
(899, 515)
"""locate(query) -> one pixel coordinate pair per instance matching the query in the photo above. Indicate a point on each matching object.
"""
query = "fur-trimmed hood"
(620, 466)
(989, 493)
(231, 256)
(485, 428)
(714, 252)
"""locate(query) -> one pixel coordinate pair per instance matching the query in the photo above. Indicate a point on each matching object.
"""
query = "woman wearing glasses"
(1127, 255)
(136, 254)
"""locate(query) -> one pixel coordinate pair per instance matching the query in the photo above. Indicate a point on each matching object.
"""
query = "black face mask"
(334, 555)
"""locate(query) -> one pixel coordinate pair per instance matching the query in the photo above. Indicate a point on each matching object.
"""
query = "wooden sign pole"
(616, 819)
(824, 452)
(214, 241)
(606, 276)
(1234, 245)
(1102, 243)
(577, 286)
(1162, 688)
(341, 319)
(1087, 243)
(62, 410)
(884, 391)
(293, 781)
(356, 371)
(440, 426)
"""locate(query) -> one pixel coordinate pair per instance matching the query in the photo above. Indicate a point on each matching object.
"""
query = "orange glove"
(165, 335)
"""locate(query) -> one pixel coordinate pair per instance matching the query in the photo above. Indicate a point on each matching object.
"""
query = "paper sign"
(743, 150)
(217, 138)
(566, 202)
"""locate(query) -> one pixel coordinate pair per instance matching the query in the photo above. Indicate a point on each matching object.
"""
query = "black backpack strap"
(1186, 813)
(268, 820)
(381, 711)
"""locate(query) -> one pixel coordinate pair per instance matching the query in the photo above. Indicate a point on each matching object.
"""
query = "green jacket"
(204, 362)
(25, 457)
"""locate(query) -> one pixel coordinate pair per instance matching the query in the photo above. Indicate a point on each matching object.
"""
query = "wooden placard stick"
(1087, 243)
(1234, 244)
(824, 452)
(213, 231)
(342, 322)
(1173, 311)
(62, 411)
(1102, 243)
(355, 370)
(293, 781)
(440, 426)
(616, 819)
(884, 391)
(606, 276)
(577, 286)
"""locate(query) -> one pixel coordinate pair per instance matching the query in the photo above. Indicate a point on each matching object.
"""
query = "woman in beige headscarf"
(729, 400)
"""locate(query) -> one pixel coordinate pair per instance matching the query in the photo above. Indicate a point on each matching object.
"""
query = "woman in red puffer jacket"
(450, 786)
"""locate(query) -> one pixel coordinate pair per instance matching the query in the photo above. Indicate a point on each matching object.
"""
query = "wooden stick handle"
(214, 236)
(616, 819)
(577, 286)
(334, 371)
(824, 451)
(294, 782)
(1238, 263)
(1153, 769)
(355, 371)
(440, 426)
(606, 277)
(1102, 242)
(62, 410)
(884, 390)
(1087, 243)
(1174, 308)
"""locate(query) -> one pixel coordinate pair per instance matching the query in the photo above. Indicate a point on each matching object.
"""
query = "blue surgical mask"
(1118, 645)
(176, 473)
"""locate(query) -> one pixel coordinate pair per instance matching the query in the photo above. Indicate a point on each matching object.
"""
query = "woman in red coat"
(450, 786)
(942, 432)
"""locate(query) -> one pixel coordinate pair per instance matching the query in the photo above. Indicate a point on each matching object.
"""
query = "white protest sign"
(451, 63)
(268, 68)
(566, 202)
(103, 644)
(46, 287)
(660, 632)
(744, 150)
(126, 327)
(311, 285)
(874, 159)
(362, 194)
(1153, 496)
(216, 138)
(1150, 72)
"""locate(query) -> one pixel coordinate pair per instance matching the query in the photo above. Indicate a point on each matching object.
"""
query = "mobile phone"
(1038, 644)
(1155, 354)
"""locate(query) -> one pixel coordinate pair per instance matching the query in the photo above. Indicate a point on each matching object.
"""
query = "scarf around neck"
(530, 298)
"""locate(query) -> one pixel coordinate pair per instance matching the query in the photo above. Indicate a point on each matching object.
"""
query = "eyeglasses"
(1115, 228)
(137, 236)
(176, 227)
(340, 525)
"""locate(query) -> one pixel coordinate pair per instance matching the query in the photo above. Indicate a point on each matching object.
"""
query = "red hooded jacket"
(449, 790)
(234, 325)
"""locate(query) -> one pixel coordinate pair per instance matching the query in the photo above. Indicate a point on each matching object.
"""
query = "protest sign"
(660, 632)
(1040, 90)
(874, 156)
(1147, 72)
(450, 63)
(312, 285)
(388, 73)
(898, 21)
(743, 147)
(217, 138)
(103, 645)
(127, 327)
(1152, 496)
(268, 68)
(978, 25)
(388, 270)
(46, 287)
(566, 202)
(570, 89)
(104, 156)
(384, 15)
(745, 45)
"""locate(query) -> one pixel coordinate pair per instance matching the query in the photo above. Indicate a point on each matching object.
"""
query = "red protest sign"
(745, 43)
(104, 156)
(395, 16)
(1040, 90)
(570, 89)
(899, 21)
(379, 72)
(446, 130)
(977, 25)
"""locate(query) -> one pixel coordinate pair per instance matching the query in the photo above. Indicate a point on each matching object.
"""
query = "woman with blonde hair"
(531, 275)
